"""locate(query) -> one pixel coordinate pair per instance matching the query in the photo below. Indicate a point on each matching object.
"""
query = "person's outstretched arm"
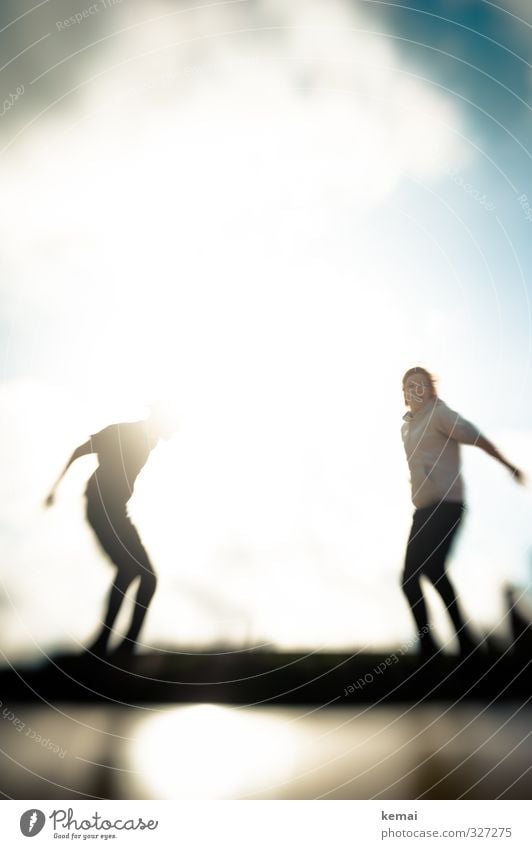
(453, 425)
(490, 449)
(80, 451)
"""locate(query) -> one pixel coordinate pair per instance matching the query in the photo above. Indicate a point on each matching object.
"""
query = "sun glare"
(212, 752)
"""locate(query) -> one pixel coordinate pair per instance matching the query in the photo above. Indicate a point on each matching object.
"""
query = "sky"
(263, 213)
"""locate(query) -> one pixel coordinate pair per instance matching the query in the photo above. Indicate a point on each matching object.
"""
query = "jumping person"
(122, 451)
(432, 434)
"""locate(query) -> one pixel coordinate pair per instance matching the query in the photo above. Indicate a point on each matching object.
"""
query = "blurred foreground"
(258, 724)
(439, 751)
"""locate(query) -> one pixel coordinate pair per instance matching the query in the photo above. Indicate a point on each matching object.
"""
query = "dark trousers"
(431, 536)
(118, 536)
(121, 542)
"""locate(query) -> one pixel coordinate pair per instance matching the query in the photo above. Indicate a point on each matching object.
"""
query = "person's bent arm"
(80, 451)
(490, 449)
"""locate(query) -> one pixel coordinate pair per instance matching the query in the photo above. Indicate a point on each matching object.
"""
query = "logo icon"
(32, 822)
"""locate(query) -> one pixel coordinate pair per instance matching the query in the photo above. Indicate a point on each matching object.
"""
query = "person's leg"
(137, 563)
(145, 593)
(450, 599)
(447, 521)
(114, 602)
(116, 536)
(417, 551)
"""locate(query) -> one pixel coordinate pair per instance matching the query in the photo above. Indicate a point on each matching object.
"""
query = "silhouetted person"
(122, 451)
(432, 434)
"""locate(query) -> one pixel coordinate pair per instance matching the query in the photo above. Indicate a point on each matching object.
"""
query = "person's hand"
(49, 500)
(518, 475)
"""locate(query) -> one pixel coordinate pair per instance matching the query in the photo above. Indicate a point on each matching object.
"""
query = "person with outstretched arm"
(432, 434)
(122, 451)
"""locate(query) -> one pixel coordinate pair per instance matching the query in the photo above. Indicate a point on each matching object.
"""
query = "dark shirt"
(122, 451)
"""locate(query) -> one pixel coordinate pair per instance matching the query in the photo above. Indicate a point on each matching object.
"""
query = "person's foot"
(468, 645)
(98, 648)
(428, 649)
(125, 649)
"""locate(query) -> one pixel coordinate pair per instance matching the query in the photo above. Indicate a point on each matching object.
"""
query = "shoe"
(98, 648)
(468, 645)
(428, 649)
(468, 648)
(125, 650)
